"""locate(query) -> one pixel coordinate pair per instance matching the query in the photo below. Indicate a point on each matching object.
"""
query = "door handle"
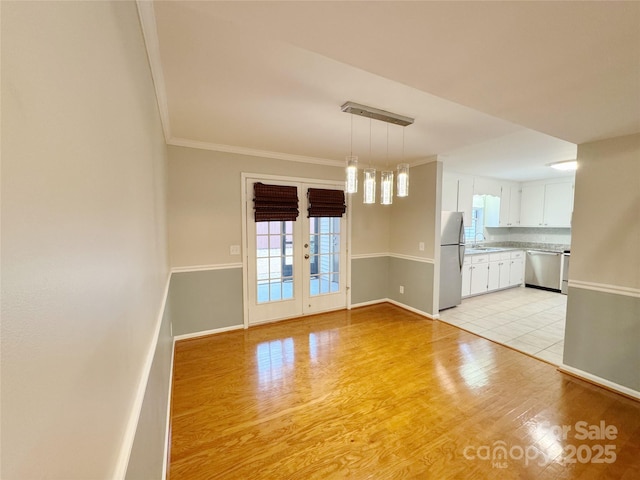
(306, 256)
(306, 245)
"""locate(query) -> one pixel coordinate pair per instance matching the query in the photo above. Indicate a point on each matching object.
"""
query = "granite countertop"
(506, 246)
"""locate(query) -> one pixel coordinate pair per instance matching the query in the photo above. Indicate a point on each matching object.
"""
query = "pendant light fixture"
(403, 180)
(386, 180)
(403, 175)
(386, 187)
(369, 178)
(351, 183)
(386, 177)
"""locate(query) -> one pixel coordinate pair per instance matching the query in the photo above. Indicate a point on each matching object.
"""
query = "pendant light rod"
(376, 114)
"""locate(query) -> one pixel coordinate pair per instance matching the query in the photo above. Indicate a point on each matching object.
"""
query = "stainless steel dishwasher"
(543, 270)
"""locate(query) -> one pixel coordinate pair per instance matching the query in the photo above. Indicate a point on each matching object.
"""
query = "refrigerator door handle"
(461, 249)
(461, 234)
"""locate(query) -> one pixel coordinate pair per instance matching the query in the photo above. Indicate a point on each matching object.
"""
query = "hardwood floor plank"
(380, 392)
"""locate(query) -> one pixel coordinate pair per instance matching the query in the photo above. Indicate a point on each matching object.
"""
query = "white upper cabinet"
(449, 193)
(541, 203)
(558, 204)
(510, 205)
(546, 204)
(465, 199)
(457, 195)
(532, 206)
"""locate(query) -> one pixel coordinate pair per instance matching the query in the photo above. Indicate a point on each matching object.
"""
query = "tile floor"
(526, 319)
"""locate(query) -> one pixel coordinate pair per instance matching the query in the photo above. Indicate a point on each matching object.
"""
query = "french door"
(296, 267)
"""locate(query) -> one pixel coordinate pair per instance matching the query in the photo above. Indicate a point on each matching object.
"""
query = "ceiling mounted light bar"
(376, 114)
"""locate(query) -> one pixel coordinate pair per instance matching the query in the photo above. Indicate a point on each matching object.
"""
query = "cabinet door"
(558, 200)
(494, 275)
(514, 206)
(479, 278)
(466, 280)
(505, 203)
(516, 271)
(532, 206)
(505, 272)
(465, 199)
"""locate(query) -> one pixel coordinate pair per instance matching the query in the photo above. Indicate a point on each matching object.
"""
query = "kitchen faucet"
(475, 240)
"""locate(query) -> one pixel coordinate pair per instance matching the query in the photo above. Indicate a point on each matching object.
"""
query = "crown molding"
(424, 161)
(216, 147)
(148, 24)
(147, 19)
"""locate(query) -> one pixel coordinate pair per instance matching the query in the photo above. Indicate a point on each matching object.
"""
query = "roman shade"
(326, 203)
(275, 203)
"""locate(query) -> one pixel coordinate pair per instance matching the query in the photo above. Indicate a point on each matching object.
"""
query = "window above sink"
(485, 213)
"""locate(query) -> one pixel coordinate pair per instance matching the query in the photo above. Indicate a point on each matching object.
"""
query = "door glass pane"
(274, 252)
(262, 245)
(287, 288)
(324, 283)
(314, 283)
(324, 243)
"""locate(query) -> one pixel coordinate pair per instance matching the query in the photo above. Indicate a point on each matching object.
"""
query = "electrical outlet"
(421, 246)
(401, 288)
(234, 250)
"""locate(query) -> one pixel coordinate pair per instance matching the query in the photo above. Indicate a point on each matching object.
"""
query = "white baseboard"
(204, 333)
(397, 304)
(411, 309)
(603, 382)
(167, 428)
(366, 304)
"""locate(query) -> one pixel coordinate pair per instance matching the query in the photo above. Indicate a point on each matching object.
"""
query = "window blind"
(326, 203)
(275, 203)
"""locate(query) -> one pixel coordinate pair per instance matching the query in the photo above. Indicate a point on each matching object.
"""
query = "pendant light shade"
(403, 180)
(386, 188)
(369, 185)
(351, 183)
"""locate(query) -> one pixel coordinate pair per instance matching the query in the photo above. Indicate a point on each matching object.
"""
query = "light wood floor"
(382, 393)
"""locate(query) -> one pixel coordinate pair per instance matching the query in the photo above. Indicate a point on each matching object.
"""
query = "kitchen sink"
(488, 249)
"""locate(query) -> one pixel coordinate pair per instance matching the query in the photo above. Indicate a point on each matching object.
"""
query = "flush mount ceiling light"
(566, 166)
(386, 179)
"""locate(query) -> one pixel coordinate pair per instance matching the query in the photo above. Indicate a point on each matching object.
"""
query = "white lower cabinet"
(479, 278)
(482, 273)
(499, 265)
(466, 277)
(516, 271)
(475, 275)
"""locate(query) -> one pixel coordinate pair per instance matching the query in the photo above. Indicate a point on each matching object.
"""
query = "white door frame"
(246, 198)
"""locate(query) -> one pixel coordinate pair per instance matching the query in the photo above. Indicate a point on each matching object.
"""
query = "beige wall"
(205, 204)
(413, 219)
(83, 237)
(369, 226)
(603, 312)
(606, 217)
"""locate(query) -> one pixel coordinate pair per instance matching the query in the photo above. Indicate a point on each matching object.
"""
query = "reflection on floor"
(379, 392)
(270, 290)
(526, 319)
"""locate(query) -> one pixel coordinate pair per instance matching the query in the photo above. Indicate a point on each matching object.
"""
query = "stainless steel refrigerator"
(451, 259)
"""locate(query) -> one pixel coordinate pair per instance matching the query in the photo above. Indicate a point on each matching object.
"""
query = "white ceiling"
(268, 78)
